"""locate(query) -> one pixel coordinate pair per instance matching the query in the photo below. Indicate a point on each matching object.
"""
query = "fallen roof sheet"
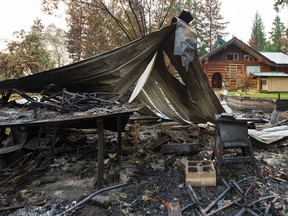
(269, 135)
(117, 72)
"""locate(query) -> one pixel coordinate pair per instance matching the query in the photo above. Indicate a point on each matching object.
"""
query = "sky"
(241, 13)
(19, 14)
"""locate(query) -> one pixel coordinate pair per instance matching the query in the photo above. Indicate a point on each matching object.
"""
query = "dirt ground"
(154, 180)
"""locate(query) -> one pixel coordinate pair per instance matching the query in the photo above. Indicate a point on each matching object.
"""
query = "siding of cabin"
(217, 63)
(274, 84)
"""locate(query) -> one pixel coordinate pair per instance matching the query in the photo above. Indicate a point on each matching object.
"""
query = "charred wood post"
(54, 140)
(100, 132)
(119, 132)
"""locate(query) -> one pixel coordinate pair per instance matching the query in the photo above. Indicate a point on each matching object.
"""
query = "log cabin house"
(228, 59)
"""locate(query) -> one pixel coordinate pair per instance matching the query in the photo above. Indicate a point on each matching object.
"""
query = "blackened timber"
(82, 121)
(100, 133)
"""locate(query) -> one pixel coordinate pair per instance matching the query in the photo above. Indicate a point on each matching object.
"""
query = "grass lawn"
(283, 95)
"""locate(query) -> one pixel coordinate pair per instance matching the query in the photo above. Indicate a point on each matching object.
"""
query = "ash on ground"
(154, 180)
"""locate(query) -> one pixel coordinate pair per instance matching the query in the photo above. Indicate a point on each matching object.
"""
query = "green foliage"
(278, 40)
(244, 80)
(26, 55)
(277, 35)
(285, 42)
(258, 37)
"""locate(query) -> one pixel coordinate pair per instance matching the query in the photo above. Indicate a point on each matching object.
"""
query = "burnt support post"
(54, 140)
(2, 134)
(40, 135)
(119, 132)
(100, 132)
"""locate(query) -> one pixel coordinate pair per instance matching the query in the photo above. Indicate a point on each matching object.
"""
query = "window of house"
(248, 58)
(232, 56)
(264, 82)
(274, 68)
(253, 69)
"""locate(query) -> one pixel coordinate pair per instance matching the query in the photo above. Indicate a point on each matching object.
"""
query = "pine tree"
(258, 37)
(214, 25)
(285, 43)
(277, 35)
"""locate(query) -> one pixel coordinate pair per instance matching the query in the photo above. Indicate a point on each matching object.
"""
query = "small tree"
(27, 54)
(244, 81)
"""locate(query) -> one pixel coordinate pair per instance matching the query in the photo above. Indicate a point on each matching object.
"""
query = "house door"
(264, 85)
(217, 80)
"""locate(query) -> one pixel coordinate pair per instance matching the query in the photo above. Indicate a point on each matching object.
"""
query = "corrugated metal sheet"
(270, 74)
(277, 57)
(117, 72)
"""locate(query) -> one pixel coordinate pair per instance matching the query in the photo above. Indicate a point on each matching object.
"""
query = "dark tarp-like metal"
(117, 72)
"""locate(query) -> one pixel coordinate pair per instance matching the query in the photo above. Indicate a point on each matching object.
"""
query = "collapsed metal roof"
(117, 72)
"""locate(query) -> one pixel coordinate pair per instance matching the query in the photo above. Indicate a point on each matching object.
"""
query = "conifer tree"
(214, 24)
(285, 43)
(277, 35)
(258, 37)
